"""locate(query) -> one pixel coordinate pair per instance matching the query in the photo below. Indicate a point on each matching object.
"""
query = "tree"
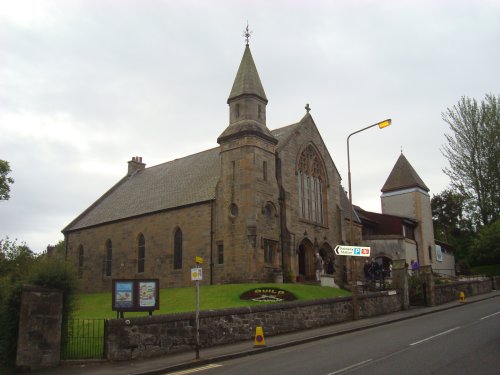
(4, 180)
(473, 152)
(448, 214)
(15, 259)
(486, 248)
(451, 223)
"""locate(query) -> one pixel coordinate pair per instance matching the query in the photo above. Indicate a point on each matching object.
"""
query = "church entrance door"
(306, 260)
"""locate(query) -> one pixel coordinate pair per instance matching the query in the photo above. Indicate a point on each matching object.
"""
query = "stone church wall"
(415, 205)
(331, 232)
(245, 185)
(158, 230)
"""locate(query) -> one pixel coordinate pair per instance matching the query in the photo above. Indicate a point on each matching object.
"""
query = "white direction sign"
(357, 251)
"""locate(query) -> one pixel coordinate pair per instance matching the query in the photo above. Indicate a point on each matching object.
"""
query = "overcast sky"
(86, 85)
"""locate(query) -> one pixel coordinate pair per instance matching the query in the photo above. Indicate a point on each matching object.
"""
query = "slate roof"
(344, 203)
(403, 176)
(177, 183)
(180, 182)
(247, 79)
(383, 224)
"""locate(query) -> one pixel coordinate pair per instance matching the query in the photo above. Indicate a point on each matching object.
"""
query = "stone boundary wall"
(39, 337)
(150, 336)
(450, 292)
(495, 282)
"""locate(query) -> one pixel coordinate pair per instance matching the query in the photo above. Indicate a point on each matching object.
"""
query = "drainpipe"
(212, 242)
(282, 214)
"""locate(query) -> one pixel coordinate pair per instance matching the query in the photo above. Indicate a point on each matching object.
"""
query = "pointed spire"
(247, 81)
(247, 103)
(403, 176)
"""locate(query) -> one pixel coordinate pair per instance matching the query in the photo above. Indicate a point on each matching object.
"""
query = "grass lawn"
(212, 297)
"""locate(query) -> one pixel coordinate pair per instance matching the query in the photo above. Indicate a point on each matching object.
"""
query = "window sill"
(313, 223)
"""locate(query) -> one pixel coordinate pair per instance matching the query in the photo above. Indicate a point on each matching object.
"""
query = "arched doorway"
(385, 265)
(327, 254)
(306, 261)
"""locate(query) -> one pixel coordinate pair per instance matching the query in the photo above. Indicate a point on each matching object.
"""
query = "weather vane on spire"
(247, 34)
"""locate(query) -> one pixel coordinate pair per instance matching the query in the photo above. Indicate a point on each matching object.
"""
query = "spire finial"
(307, 107)
(247, 34)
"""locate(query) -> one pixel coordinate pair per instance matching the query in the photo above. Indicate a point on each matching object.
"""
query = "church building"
(256, 208)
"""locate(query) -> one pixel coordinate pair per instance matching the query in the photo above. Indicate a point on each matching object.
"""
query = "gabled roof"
(247, 81)
(346, 207)
(177, 183)
(384, 224)
(403, 176)
(180, 182)
(284, 134)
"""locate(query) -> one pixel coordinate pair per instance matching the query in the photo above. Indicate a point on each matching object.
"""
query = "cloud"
(86, 85)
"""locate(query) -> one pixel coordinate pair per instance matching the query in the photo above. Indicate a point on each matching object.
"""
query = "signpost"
(353, 251)
(356, 251)
(197, 275)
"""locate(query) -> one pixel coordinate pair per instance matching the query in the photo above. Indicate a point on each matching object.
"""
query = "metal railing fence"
(83, 339)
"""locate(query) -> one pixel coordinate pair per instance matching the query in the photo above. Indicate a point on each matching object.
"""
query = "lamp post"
(355, 314)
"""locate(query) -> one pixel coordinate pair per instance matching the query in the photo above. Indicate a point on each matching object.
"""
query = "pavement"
(182, 361)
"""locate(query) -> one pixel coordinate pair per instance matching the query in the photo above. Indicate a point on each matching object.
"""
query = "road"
(463, 340)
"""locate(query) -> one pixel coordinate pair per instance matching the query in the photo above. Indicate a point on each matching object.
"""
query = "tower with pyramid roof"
(405, 194)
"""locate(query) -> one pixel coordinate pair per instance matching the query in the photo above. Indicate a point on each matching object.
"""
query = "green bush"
(55, 273)
(46, 272)
(489, 270)
(9, 324)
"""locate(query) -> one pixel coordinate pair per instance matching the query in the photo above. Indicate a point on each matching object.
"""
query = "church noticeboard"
(136, 295)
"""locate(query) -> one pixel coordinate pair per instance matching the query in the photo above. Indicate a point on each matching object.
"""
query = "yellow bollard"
(259, 338)
(461, 296)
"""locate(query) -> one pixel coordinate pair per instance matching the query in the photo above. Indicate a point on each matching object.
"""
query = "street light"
(381, 125)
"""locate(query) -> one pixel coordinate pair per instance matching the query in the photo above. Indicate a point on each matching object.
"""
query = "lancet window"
(311, 185)
(141, 253)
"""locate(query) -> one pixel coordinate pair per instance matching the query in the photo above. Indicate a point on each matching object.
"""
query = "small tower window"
(264, 170)
(270, 248)
(259, 108)
(237, 110)
(220, 253)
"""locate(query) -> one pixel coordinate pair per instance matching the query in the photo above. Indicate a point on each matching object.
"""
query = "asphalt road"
(457, 341)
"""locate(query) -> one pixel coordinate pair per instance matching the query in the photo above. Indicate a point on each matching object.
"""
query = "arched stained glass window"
(311, 186)
(141, 253)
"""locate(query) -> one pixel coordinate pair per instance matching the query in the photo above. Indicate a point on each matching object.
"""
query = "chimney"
(135, 165)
